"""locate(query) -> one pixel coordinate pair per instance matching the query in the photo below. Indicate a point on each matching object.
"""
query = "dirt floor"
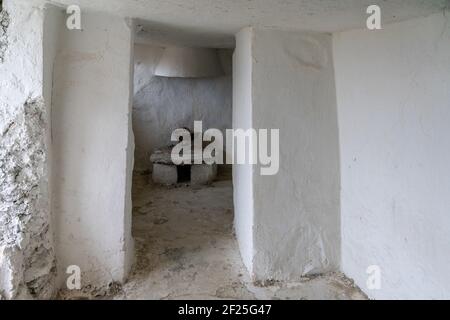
(185, 249)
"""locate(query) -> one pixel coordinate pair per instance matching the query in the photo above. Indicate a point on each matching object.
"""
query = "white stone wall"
(93, 149)
(161, 104)
(289, 85)
(393, 89)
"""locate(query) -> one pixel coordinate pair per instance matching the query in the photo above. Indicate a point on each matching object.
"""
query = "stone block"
(203, 173)
(164, 174)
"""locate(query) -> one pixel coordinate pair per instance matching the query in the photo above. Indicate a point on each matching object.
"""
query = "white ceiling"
(214, 22)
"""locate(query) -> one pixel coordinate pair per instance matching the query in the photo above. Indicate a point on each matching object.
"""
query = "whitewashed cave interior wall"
(27, 255)
(93, 148)
(296, 219)
(393, 90)
(162, 104)
(288, 84)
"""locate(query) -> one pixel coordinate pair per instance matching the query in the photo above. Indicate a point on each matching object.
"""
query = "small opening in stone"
(184, 173)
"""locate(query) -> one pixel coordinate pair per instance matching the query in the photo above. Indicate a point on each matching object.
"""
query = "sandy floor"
(185, 249)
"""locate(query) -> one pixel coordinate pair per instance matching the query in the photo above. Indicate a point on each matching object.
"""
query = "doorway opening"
(182, 214)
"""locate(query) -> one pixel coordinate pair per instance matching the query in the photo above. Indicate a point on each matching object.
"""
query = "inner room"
(182, 214)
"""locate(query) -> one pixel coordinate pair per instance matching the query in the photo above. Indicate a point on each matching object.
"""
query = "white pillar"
(288, 224)
(93, 149)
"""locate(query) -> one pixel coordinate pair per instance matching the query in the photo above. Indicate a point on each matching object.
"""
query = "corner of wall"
(128, 238)
(242, 119)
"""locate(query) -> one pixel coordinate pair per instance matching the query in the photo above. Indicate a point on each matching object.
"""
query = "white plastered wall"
(288, 224)
(393, 89)
(93, 149)
(297, 210)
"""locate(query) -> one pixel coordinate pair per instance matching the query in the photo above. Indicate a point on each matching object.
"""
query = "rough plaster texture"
(27, 259)
(393, 89)
(4, 23)
(162, 105)
(295, 223)
(93, 149)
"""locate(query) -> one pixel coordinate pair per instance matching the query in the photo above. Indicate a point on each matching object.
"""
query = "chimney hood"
(183, 62)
